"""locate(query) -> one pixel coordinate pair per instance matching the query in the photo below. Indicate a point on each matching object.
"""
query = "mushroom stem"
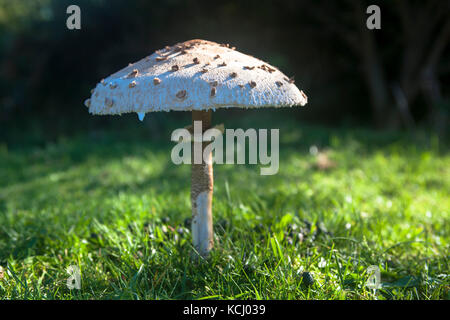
(202, 183)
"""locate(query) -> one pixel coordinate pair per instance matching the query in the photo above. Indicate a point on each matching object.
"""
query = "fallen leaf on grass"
(323, 162)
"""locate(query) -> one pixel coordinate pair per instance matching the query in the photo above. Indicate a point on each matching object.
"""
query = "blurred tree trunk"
(423, 49)
(373, 70)
(431, 86)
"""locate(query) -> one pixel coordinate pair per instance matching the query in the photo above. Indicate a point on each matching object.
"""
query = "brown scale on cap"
(196, 61)
(87, 103)
(223, 64)
(156, 81)
(161, 58)
(194, 42)
(109, 102)
(92, 91)
(214, 83)
(233, 75)
(216, 57)
(178, 48)
(241, 86)
(133, 74)
(132, 84)
(175, 67)
(252, 84)
(278, 83)
(249, 68)
(290, 80)
(103, 82)
(213, 91)
(204, 70)
(266, 68)
(303, 94)
(113, 85)
(181, 94)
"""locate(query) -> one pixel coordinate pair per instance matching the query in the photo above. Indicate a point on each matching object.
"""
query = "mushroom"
(193, 88)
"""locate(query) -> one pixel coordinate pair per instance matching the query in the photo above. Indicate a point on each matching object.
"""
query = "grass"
(112, 203)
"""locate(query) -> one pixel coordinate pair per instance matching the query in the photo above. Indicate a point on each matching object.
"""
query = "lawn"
(112, 203)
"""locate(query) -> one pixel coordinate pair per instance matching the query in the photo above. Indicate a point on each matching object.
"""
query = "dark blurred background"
(394, 78)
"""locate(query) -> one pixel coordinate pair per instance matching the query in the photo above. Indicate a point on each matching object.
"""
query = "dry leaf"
(323, 162)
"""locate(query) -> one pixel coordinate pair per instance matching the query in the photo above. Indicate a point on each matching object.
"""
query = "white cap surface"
(194, 75)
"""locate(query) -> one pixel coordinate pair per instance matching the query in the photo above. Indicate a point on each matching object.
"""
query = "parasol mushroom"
(197, 76)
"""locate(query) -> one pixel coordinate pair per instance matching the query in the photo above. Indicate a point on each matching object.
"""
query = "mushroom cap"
(194, 75)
